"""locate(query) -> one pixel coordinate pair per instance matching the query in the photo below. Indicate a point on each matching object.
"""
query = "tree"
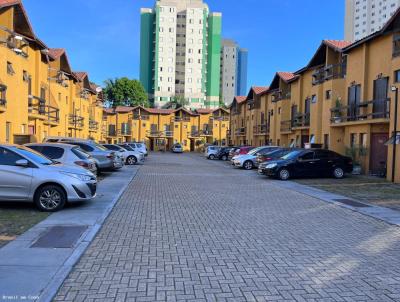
(125, 92)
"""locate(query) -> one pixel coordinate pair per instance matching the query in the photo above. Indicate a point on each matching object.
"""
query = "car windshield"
(126, 147)
(80, 153)
(35, 156)
(100, 147)
(292, 155)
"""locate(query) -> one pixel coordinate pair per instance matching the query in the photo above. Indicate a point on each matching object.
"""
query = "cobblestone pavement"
(188, 229)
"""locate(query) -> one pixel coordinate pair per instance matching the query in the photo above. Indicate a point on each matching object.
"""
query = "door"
(380, 107)
(354, 102)
(294, 116)
(305, 165)
(15, 182)
(323, 162)
(378, 159)
(304, 140)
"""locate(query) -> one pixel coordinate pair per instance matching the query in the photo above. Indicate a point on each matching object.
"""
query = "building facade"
(40, 95)
(364, 17)
(180, 53)
(233, 71)
(160, 129)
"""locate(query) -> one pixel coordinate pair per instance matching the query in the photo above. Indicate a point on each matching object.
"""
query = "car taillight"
(82, 164)
(268, 159)
(111, 155)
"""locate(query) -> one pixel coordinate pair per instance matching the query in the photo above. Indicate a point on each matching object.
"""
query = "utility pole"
(395, 89)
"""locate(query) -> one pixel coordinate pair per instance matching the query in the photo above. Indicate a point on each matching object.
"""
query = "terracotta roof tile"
(205, 111)
(240, 99)
(9, 2)
(109, 110)
(80, 75)
(124, 109)
(55, 53)
(339, 44)
(159, 111)
(287, 76)
(260, 89)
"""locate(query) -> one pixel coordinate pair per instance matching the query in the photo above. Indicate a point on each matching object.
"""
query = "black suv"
(310, 163)
(223, 153)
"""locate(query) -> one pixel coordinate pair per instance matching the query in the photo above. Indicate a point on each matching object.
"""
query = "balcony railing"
(180, 119)
(93, 125)
(220, 118)
(286, 126)
(367, 110)
(301, 120)
(15, 42)
(157, 133)
(240, 131)
(329, 72)
(38, 106)
(194, 134)
(281, 95)
(76, 121)
(261, 130)
(138, 117)
(207, 132)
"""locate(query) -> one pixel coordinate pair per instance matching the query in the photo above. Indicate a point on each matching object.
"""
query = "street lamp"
(395, 89)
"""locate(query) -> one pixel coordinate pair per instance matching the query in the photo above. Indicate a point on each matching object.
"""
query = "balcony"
(329, 72)
(194, 134)
(93, 125)
(240, 131)
(220, 118)
(286, 126)
(75, 121)
(207, 132)
(281, 95)
(14, 42)
(261, 130)
(364, 112)
(301, 121)
(139, 117)
(37, 109)
(160, 134)
(178, 119)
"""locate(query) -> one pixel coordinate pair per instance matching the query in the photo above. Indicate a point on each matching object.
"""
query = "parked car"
(248, 161)
(240, 151)
(26, 175)
(106, 160)
(130, 157)
(141, 147)
(212, 152)
(177, 148)
(66, 155)
(310, 163)
(223, 153)
(273, 155)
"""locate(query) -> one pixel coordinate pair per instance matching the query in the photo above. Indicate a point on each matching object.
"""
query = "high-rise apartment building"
(364, 17)
(180, 53)
(233, 71)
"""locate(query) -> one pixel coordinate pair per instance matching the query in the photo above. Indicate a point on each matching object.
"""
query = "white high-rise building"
(364, 17)
(180, 53)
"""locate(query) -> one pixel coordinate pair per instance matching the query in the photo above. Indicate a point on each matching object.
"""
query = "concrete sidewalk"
(35, 274)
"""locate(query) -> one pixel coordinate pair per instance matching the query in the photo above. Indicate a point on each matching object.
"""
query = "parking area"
(191, 229)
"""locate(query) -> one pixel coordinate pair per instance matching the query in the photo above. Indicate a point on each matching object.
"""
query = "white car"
(141, 147)
(129, 157)
(177, 148)
(211, 152)
(248, 161)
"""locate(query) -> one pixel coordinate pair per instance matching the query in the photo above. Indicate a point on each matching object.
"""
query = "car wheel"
(212, 157)
(131, 160)
(224, 158)
(284, 174)
(50, 198)
(338, 173)
(248, 165)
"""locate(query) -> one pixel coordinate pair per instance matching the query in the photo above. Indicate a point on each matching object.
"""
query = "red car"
(240, 151)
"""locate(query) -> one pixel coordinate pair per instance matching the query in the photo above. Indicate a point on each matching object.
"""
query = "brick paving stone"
(189, 229)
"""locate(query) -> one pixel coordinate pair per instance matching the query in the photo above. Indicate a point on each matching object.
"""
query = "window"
(396, 44)
(8, 158)
(314, 99)
(307, 156)
(52, 152)
(3, 94)
(326, 141)
(84, 147)
(397, 76)
(10, 69)
(353, 140)
(328, 94)
(363, 140)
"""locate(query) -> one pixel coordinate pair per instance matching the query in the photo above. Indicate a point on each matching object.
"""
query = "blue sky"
(281, 35)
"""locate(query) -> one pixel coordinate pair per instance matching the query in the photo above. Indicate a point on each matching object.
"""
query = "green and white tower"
(180, 53)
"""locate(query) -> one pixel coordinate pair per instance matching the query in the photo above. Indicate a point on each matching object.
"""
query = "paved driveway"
(188, 229)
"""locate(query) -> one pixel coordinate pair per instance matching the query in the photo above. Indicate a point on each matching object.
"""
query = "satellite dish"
(99, 89)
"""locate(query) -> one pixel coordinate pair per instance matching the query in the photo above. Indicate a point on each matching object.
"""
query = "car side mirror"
(22, 163)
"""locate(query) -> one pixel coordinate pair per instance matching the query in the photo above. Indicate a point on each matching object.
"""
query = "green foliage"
(355, 152)
(125, 92)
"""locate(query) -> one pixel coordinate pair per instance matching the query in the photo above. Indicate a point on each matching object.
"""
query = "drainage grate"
(352, 203)
(60, 237)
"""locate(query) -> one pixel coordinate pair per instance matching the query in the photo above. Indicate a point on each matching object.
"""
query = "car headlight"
(82, 177)
(271, 166)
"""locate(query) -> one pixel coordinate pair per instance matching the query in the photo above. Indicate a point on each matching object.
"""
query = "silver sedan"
(26, 175)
